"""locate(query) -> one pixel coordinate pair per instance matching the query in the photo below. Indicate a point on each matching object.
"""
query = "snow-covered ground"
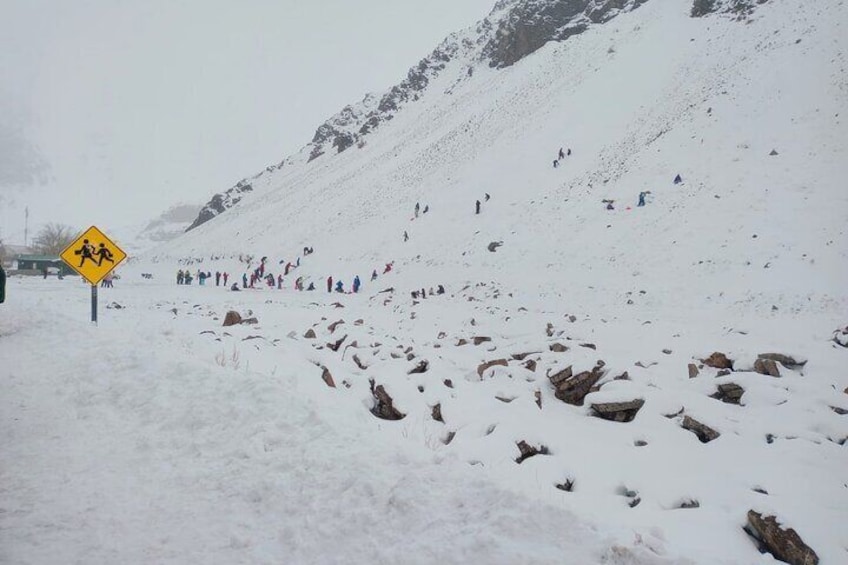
(162, 436)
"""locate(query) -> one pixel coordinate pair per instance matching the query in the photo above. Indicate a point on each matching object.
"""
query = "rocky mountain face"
(221, 202)
(530, 24)
(741, 8)
(512, 31)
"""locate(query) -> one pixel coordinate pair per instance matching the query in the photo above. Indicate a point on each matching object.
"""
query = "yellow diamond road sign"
(93, 255)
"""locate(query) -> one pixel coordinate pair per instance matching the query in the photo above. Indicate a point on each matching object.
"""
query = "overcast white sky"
(138, 105)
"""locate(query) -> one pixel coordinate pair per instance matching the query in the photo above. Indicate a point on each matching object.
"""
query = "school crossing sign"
(93, 255)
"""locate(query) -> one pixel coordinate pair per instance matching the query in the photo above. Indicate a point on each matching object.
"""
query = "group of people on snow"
(561, 155)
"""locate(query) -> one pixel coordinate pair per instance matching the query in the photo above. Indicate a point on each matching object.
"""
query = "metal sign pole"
(94, 304)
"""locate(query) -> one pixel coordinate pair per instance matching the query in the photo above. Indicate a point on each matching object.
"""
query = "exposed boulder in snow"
(528, 451)
(437, 413)
(483, 367)
(840, 337)
(359, 362)
(232, 318)
(573, 389)
(421, 367)
(327, 377)
(766, 367)
(493, 246)
(693, 370)
(480, 339)
(618, 411)
(718, 361)
(558, 348)
(730, 393)
(785, 545)
(332, 327)
(785, 360)
(310, 334)
(338, 343)
(384, 404)
(705, 433)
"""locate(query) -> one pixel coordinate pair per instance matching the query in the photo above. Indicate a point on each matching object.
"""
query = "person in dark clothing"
(244, 280)
(218, 278)
(414, 294)
(311, 286)
(235, 288)
(477, 207)
(374, 275)
(423, 294)
(487, 197)
(417, 208)
(556, 163)
(44, 272)
(568, 152)
(440, 289)
(678, 179)
(226, 276)
(426, 209)
(561, 153)
(405, 236)
(340, 286)
(641, 199)
(356, 284)
(279, 282)
(180, 276)
(329, 284)
(2, 285)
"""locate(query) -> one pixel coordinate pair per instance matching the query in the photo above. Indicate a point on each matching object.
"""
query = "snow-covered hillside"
(468, 427)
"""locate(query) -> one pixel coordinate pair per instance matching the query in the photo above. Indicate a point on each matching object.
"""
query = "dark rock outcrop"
(718, 360)
(705, 433)
(741, 8)
(383, 404)
(221, 202)
(530, 24)
(573, 389)
(528, 451)
(785, 545)
(618, 411)
(483, 367)
(232, 318)
(730, 393)
(766, 367)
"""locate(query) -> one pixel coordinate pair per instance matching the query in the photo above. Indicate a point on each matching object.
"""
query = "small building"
(37, 263)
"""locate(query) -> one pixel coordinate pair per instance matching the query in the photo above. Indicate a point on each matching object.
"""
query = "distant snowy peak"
(741, 8)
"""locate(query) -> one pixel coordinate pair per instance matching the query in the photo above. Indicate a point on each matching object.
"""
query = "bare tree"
(53, 239)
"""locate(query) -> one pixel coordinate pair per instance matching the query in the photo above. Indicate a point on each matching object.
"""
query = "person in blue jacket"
(339, 286)
(356, 284)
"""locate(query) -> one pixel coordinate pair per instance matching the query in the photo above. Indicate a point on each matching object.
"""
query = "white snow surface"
(162, 437)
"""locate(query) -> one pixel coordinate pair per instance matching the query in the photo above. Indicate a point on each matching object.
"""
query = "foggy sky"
(111, 111)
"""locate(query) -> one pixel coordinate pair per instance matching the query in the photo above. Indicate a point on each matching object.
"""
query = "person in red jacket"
(330, 284)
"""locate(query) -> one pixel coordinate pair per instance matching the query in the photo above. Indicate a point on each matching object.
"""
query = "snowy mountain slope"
(711, 106)
(513, 30)
(747, 256)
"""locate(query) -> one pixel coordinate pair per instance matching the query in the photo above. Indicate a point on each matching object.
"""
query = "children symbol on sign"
(85, 252)
(104, 254)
